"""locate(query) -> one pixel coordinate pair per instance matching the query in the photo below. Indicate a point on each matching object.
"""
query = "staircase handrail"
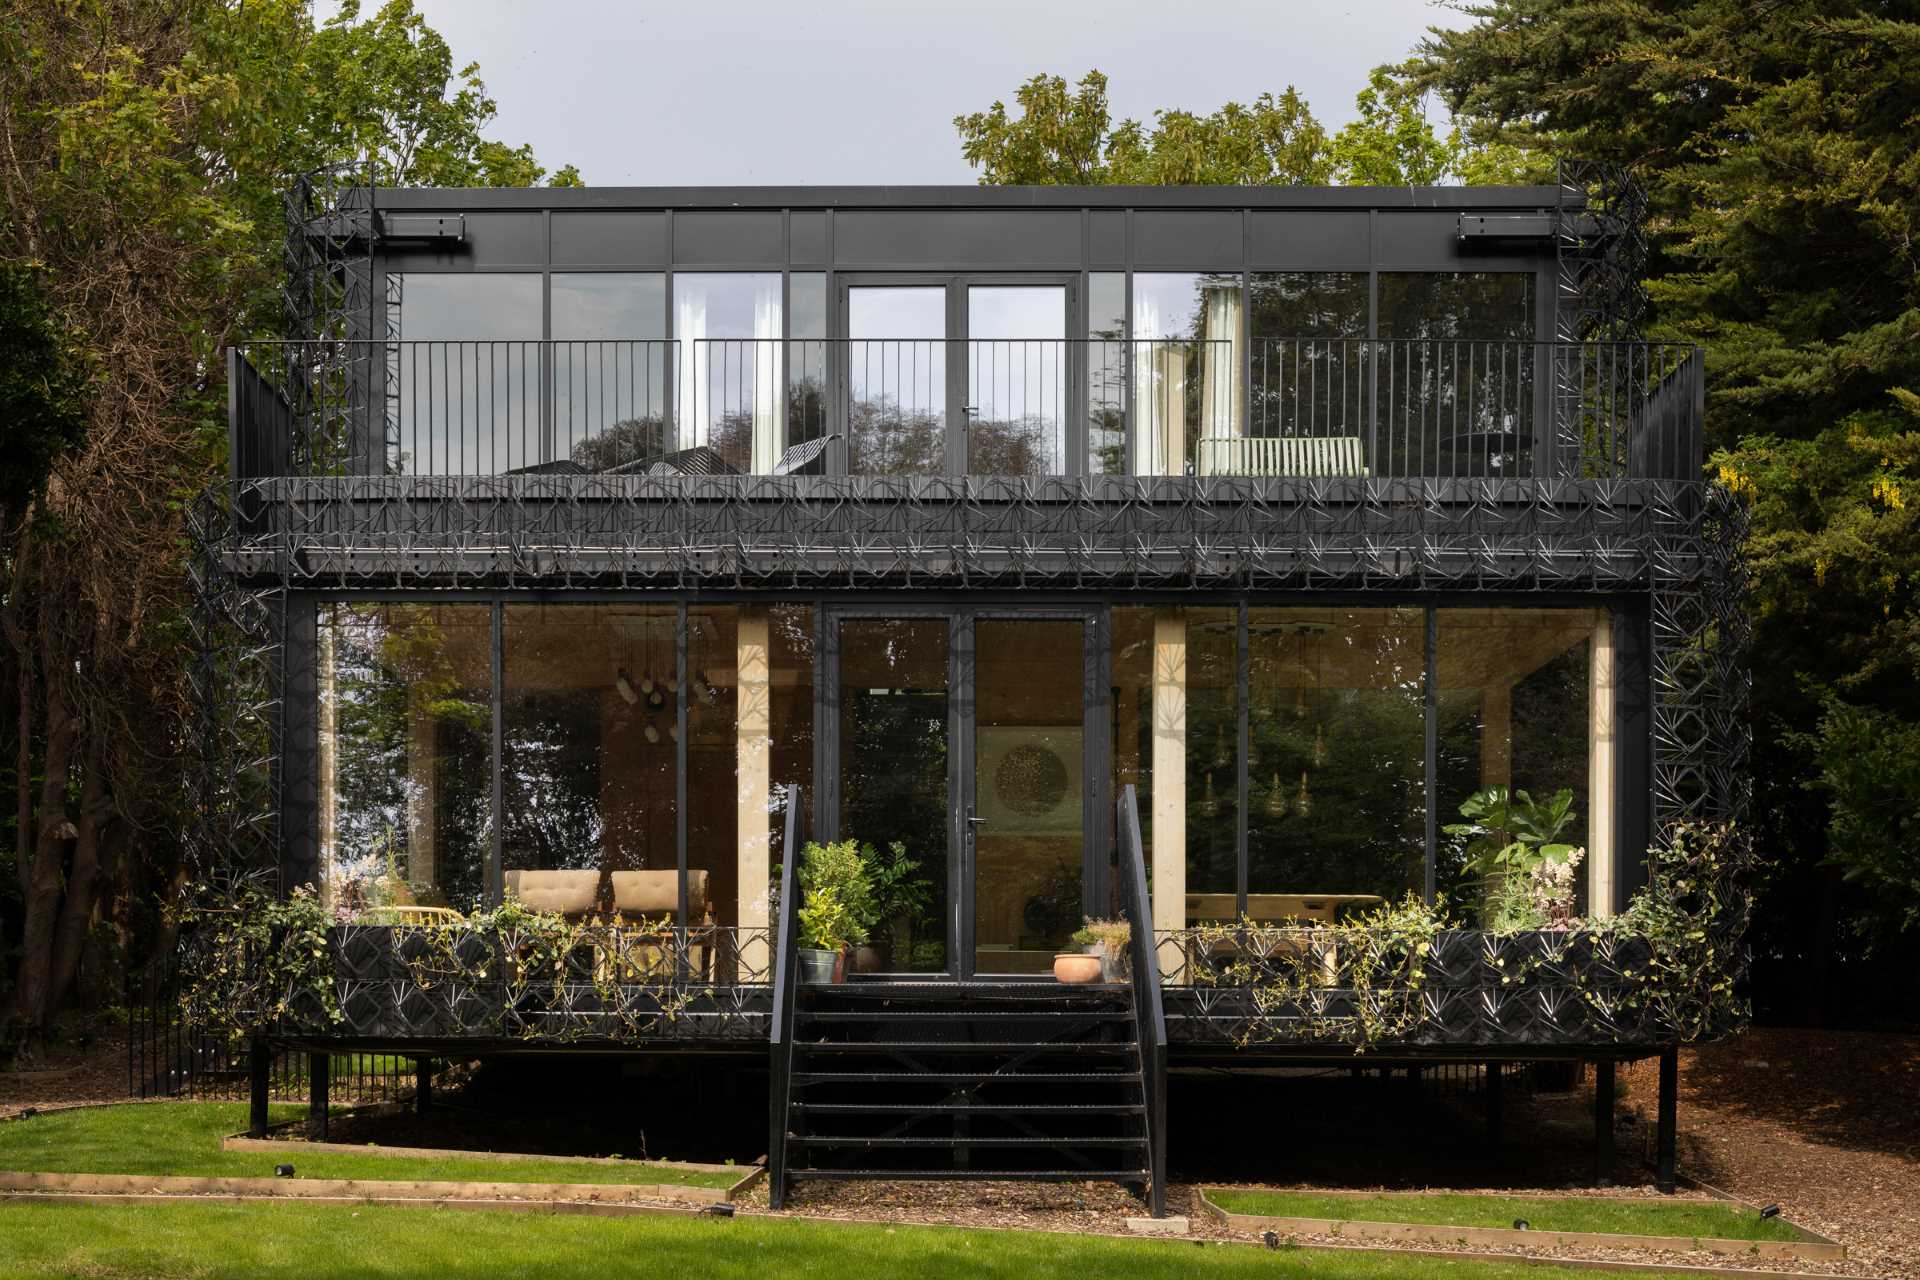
(786, 964)
(1148, 1005)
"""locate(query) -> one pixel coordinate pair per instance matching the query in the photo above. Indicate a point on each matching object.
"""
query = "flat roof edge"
(967, 197)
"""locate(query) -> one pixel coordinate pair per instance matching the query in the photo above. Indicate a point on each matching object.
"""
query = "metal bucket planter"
(818, 968)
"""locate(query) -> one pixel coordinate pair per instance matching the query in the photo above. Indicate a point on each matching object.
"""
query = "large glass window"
(1455, 378)
(609, 367)
(405, 770)
(1106, 373)
(1308, 360)
(807, 359)
(1515, 710)
(462, 376)
(894, 711)
(1337, 766)
(730, 384)
(1186, 366)
(589, 734)
(897, 380)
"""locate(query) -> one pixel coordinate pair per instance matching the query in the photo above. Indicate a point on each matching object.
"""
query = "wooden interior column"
(1169, 770)
(753, 770)
(1602, 772)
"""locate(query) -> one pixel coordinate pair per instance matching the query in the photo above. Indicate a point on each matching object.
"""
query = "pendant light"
(1319, 744)
(1276, 798)
(1303, 805)
(1209, 806)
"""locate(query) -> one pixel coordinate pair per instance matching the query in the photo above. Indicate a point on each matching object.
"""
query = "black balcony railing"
(1286, 407)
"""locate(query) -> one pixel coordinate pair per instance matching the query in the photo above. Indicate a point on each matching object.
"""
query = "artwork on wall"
(1030, 778)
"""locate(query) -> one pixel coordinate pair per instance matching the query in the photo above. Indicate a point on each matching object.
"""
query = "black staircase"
(1017, 1080)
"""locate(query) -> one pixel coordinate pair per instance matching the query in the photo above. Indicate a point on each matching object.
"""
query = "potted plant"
(898, 905)
(1523, 870)
(1109, 940)
(836, 904)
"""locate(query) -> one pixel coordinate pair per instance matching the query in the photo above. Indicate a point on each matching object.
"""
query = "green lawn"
(1573, 1213)
(299, 1241)
(184, 1138)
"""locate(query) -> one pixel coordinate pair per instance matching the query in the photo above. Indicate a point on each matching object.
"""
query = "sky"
(772, 92)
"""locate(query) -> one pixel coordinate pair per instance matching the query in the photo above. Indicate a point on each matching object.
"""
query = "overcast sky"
(865, 91)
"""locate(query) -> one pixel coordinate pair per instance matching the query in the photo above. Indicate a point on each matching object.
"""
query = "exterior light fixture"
(1769, 1211)
(1521, 1224)
(283, 1171)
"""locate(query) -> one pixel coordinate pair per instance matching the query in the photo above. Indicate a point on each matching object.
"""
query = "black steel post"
(1667, 1134)
(259, 1073)
(422, 1085)
(1496, 1080)
(1603, 1073)
(318, 1067)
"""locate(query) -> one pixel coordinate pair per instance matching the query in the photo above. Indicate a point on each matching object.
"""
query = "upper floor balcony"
(932, 406)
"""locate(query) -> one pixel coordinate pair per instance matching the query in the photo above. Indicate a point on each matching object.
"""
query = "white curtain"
(692, 395)
(1220, 361)
(1159, 392)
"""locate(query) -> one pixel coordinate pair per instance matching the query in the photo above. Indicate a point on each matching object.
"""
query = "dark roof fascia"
(482, 199)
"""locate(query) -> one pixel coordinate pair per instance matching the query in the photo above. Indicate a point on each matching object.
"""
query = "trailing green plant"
(258, 962)
(1692, 916)
(1514, 852)
(837, 905)
(1359, 981)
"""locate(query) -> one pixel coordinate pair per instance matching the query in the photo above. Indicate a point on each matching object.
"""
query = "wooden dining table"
(1308, 909)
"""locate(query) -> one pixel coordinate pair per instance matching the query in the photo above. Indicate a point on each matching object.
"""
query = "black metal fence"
(1291, 407)
(169, 1057)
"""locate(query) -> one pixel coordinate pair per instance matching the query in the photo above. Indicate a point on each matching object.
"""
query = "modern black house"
(1181, 555)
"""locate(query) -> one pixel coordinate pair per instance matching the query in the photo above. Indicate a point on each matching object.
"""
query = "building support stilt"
(259, 1084)
(318, 1067)
(1603, 1084)
(1666, 1135)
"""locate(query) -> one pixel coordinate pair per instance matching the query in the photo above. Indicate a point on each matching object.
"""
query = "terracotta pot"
(1076, 966)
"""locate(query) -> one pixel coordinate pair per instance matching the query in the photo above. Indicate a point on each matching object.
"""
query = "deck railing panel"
(1035, 408)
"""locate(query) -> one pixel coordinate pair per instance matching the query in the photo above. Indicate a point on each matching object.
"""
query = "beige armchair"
(565, 893)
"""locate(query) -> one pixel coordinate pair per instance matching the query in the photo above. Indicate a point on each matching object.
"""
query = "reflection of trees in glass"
(626, 441)
(550, 778)
(886, 438)
(1307, 380)
(1460, 400)
(893, 749)
(1017, 447)
(1337, 773)
(406, 732)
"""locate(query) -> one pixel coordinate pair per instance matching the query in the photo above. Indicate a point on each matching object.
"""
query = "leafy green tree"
(1781, 154)
(147, 150)
(1068, 136)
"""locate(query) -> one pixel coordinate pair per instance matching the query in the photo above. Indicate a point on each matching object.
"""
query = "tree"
(145, 151)
(1067, 136)
(1781, 155)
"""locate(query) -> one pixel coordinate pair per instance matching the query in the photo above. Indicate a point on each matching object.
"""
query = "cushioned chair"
(651, 895)
(566, 893)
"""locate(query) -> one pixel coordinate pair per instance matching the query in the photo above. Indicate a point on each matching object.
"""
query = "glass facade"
(405, 763)
(728, 329)
(609, 367)
(1186, 366)
(1291, 762)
